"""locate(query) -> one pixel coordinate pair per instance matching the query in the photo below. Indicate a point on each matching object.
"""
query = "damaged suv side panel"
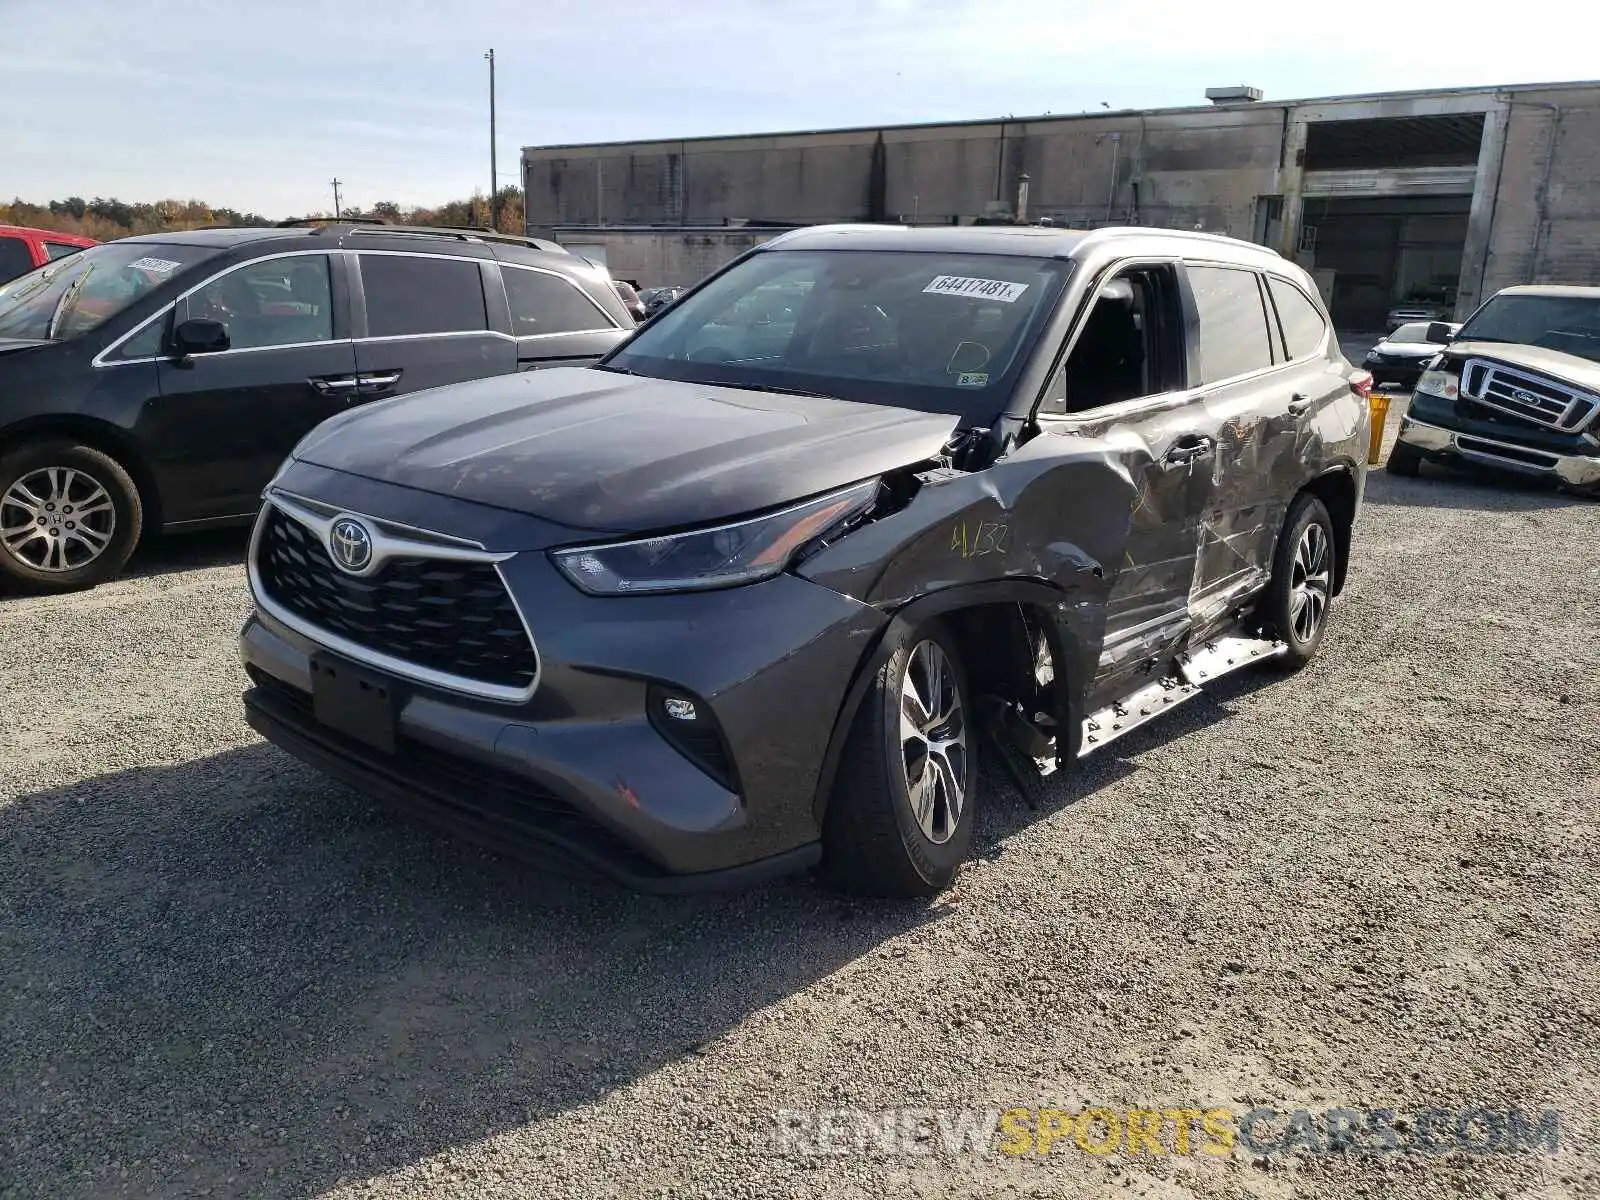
(1117, 535)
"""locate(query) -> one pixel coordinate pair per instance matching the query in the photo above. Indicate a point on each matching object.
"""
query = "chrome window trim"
(607, 328)
(385, 546)
(448, 333)
(98, 360)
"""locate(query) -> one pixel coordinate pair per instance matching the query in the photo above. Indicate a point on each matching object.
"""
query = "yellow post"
(1380, 417)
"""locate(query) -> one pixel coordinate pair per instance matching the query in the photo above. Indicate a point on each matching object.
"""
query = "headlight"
(725, 556)
(1440, 383)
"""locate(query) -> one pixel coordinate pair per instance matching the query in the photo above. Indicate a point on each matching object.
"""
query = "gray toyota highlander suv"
(749, 595)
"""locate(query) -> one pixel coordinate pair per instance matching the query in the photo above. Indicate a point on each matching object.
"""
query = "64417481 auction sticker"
(976, 289)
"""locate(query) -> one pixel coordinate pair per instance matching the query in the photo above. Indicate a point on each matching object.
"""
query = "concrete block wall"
(1546, 222)
(1193, 169)
(662, 258)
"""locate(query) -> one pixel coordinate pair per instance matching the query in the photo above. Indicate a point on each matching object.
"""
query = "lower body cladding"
(1433, 428)
(673, 742)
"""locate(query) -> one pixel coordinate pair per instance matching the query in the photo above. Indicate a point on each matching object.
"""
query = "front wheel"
(1297, 599)
(1404, 460)
(901, 819)
(69, 516)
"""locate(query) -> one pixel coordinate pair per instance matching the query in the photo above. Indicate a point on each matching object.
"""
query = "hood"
(605, 452)
(1568, 368)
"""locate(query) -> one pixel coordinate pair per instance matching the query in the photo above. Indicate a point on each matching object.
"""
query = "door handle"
(378, 380)
(1185, 452)
(1299, 403)
(337, 385)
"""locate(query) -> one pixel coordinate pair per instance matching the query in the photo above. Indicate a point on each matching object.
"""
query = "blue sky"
(256, 104)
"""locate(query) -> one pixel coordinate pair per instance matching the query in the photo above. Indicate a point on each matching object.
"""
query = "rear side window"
(1234, 336)
(15, 258)
(407, 295)
(542, 302)
(55, 250)
(1303, 326)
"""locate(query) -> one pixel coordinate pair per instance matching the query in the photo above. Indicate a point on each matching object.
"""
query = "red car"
(23, 249)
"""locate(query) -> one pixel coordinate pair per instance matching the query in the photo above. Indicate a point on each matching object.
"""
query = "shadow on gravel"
(231, 974)
(173, 553)
(1466, 487)
(189, 552)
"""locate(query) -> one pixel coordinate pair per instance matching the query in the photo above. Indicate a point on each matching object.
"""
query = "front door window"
(274, 302)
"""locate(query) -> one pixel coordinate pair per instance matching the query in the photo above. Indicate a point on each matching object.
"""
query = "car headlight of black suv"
(719, 557)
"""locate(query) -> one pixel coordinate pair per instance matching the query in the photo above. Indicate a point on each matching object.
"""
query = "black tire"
(1404, 460)
(1296, 551)
(64, 559)
(873, 842)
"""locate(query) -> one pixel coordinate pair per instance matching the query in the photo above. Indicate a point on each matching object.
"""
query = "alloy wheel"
(933, 741)
(1310, 582)
(57, 519)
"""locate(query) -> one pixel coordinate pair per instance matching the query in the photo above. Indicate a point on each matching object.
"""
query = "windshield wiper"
(60, 310)
(767, 387)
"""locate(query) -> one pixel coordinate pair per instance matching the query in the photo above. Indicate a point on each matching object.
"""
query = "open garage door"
(1384, 216)
(1382, 250)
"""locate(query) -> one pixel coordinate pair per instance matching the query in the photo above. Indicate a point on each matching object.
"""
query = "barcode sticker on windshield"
(978, 289)
(156, 266)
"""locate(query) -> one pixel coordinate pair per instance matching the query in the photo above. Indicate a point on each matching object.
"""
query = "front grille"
(1534, 398)
(445, 615)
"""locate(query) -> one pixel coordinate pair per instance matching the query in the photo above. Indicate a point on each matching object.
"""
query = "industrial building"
(1466, 190)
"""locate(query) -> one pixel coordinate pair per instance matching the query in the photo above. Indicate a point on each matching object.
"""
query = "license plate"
(354, 702)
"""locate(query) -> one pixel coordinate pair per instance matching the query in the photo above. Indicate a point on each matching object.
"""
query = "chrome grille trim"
(1537, 399)
(438, 546)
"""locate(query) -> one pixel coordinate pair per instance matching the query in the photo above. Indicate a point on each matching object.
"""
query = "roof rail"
(1114, 231)
(465, 235)
(297, 222)
(379, 226)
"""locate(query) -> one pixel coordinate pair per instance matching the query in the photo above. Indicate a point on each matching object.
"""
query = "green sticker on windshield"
(972, 379)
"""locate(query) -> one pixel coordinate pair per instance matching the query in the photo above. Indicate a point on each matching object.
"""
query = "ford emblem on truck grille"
(351, 545)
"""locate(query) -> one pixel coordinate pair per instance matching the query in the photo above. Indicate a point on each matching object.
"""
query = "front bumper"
(581, 769)
(1438, 441)
(1406, 371)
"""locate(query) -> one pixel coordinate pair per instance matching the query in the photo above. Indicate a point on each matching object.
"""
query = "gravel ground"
(1371, 885)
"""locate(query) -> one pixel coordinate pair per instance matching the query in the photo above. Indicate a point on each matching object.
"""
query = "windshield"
(75, 294)
(1570, 324)
(1415, 332)
(937, 332)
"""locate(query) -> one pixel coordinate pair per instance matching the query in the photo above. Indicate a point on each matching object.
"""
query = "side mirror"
(199, 335)
(1439, 333)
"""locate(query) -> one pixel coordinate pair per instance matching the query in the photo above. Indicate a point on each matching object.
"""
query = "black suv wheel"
(1296, 602)
(69, 516)
(903, 810)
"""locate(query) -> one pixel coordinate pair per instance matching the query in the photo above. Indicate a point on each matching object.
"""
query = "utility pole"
(336, 200)
(494, 174)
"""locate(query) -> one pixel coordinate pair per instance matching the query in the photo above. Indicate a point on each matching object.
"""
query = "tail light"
(1361, 384)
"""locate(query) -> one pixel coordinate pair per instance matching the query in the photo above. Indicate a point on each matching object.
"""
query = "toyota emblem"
(350, 543)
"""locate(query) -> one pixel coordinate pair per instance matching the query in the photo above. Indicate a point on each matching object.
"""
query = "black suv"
(155, 383)
(746, 596)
